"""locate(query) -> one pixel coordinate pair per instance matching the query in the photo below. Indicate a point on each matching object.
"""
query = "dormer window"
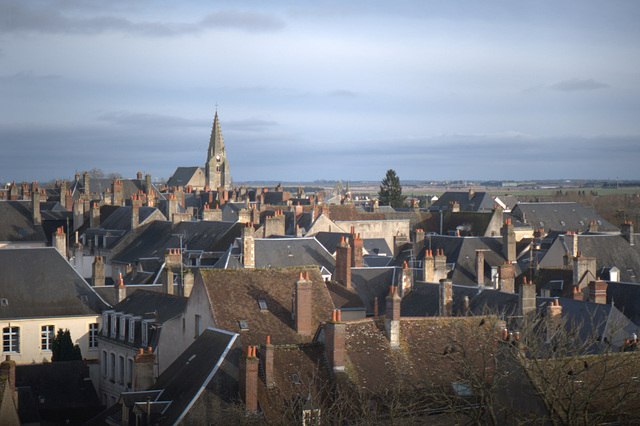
(243, 325)
(105, 323)
(132, 329)
(263, 305)
(145, 333)
(123, 327)
(114, 323)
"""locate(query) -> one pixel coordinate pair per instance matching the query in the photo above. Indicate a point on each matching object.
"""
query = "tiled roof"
(234, 296)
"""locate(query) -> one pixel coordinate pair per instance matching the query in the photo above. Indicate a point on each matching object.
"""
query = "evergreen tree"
(390, 193)
(63, 348)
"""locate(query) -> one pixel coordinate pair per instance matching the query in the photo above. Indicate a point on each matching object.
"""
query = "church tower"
(217, 167)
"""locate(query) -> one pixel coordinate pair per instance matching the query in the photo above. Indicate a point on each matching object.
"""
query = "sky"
(437, 90)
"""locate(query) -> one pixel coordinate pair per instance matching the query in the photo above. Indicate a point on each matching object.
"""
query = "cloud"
(122, 118)
(27, 76)
(575, 84)
(250, 124)
(18, 17)
(342, 94)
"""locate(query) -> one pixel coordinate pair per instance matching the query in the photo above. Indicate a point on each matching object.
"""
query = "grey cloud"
(18, 17)
(149, 120)
(250, 124)
(575, 84)
(342, 94)
(27, 76)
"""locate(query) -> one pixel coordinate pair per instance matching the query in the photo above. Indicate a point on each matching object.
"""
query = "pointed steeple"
(216, 143)
(217, 167)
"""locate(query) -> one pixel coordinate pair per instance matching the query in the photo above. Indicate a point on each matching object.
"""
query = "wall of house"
(30, 343)
(386, 229)
(323, 224)
(111, 383)
(10, 245)
(168, 348)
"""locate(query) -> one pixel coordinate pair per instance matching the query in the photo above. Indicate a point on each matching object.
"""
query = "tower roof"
(216, 144)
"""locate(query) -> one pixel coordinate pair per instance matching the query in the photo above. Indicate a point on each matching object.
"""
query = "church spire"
(217, 167)
(216, 143)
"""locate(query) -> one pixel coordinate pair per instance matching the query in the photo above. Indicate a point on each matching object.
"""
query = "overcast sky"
(322, 90)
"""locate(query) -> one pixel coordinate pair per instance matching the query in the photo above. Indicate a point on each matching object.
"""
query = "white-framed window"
(11, 339)
(145, 333)
(46, 337)
(132, 329)
(123, 327)
(197, 325)
(93, 335)
(114, 322)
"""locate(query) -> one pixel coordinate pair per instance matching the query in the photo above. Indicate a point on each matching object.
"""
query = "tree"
(63, 348)
(390, 193)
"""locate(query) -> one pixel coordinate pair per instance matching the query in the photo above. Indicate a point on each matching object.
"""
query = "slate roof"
(477, 201)
(121, 218)
(561, 217)
(142, 302)
(626, 298)
(376, 246)
(372, 283)
(468, 223)
(291, 252)
(609, 251)
(183, 175)
(330, 240)
(39, 282)
(234, 296)
(17, 225)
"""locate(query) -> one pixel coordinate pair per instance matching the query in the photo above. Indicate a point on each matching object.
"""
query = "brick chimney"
(507, 277)
(94, 218)
(248, 246)
(335, 333)
(407, 279)
(527, 300)
(392, 321)
(117, 193)
(248, 379)
(446, 298)
(303, 305)
(584, 271)
(60, 241)
(428, 267)
(399, 241)
(418, 241)
(120, 289)
(356, 249)
(343, 263)
(167, 280)
(68, 200)
(508, 241)
(480, 268)
(187, 286)
(626, 229)
(554, 317)
(135, 213)
(577, 294)
(267, 355)
(598, 292)
(97, 272)
(440, 271)
(35, 205)
(143, 370)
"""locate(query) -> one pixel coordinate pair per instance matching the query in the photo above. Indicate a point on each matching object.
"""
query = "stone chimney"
(167, 280)
(267, 355)
(121, 290)
(94, 218)
(60, 241)
(577, 294)
(214, 214)
(428, 267)
(187, 286)
(97, 272)
(356, 249)
(527, 300)
(398, 242)
(593, 226)
(554, 317)
(245, 216)
(35, 205)
(78, 214)
(446, 298)
(584, 271)
(173, 258)
(598, 292)
(508, 241)
(248, 246)
(455, 207)
(343, 263)
(507, 277)
(63, 193)
(117, 193)
(304, 305)
(335, 333)
(8, 370)
(86, 189)
(407, 279)
(480, 268)
(143, 370)
(248, 379)
(135, 213)
(418, 241)
(392, 321)
(68, 200)
(626, 229)
(440, 271)
(147, 184)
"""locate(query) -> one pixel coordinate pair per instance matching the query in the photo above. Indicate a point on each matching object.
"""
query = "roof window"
(263, 305)
(243, 325)
(4, 302)
(296, 378)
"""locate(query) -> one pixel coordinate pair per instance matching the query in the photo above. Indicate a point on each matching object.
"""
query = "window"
(105, 365)
(123, 327)
(243, 325)
(93, 335)
(198, 325)
(121, 370)
(132, 329)
(46, 337)
(11, 339)
(263, 305)
(129, 372)
(145, 333)
(112, 367)
(114, 323)
(105, 324)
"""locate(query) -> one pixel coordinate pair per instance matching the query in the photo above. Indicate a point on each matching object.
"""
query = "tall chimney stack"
(392, 321)
(508, 241)
(343, 263)
(303, 305)
(97, 272)
(627, 232)
(60, 241)
(248, 380)
(35, 205)
(334, 341)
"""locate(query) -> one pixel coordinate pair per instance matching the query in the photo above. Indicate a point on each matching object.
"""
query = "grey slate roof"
(142, 302)
(471, 202)
(16, 223)
(121, 218)
(292, 252)
(330, 240)
(372, 283)
(560, 217)
(39, 282)
(183, 175)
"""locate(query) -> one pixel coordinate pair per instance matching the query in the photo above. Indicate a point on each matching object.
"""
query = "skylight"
(263, 305)
(243, 325)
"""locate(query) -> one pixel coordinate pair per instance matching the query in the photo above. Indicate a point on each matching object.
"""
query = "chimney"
(35, 205)
(167, 280)
(267, 355)
(627, 231)
(376, 205)
(248, 380)
(275, 225)
(97, 272)
(398, 242)
(507, 277)
(63, 193)
(78, 214)
(584, 271)
(144, 370)
(94, 218)
(428, 267)
(356, 250)
(480, 268)
(187, 286)
(335, 333)
(147, 184)
(304, 305)
(508, 241)
(418, 243)
(248, 246)
(343, 263)
(446, 298)
(455, 207)
(593, 226)
(121, 290)
(135, 213)
(407, 279)
(571, 241)
(8, 370)
(392, 321)
(598, 292)
(554, 316)
(68, 200)
(60, 241)
(117, 193)
(527, 300)
(466, 305)
(139, 175)
(577, 294)
(86, 190)
(440, 272)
